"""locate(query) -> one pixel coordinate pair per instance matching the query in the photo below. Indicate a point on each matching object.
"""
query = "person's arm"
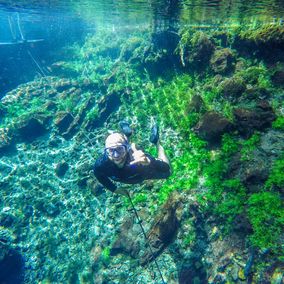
(104, 180)
(138, 157)
(101, 176)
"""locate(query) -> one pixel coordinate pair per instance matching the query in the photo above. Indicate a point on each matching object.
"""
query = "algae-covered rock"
(258, 118)
(255, 93)
(195, 49)
(63, 120)
(264, 42)
(129, 47)
(166, 40)
(163, 229)
(107, 105)
(232, 88)
(266, 35)
(212, 126)
(202, 49)
(222, 61)
(196, 104)
(127, 240)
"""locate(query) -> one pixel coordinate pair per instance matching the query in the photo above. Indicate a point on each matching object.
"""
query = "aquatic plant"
(276, 177)
(278, 123)
(105, 255)
(139, 198)
(93, 113)
(194, 49)
(266, 34)
(248, 146)
(117, 64)
(186, 167)
(265, 212)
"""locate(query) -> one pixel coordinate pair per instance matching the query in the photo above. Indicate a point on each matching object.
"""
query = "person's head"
(116, 148)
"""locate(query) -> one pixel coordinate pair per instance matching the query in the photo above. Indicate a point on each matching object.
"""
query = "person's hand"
(139, 157)
(122, 191)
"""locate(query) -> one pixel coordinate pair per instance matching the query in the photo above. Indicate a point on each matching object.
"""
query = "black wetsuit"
(105, 170)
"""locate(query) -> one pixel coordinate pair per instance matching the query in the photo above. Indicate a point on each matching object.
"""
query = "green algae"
(265, 211)
(278, 123)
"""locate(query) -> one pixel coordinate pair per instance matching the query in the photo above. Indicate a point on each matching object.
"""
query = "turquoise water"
(211, 73)
(51, 25)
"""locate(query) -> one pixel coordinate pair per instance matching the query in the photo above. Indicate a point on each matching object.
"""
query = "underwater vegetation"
(218, 97)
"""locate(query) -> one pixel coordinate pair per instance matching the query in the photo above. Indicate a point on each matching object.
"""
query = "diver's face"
(117, 153)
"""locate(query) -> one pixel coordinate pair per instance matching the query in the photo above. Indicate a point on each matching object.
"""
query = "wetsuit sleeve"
(102, 177)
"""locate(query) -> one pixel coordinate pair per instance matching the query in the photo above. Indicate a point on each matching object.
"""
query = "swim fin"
(125, 128)
(154, 138)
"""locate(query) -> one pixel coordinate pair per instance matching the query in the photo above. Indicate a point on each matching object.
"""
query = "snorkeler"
(123, 162)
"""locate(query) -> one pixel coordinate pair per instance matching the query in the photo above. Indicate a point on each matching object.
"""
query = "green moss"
(93, 113)
(255, 74)
(265, 211)
(186, 167)
(276, 177)
(139, 198)
(278, 123)
(105, 255)
(229, 145)
(248, 146)
(267, 34)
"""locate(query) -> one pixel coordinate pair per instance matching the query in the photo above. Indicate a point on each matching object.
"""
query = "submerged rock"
(195, 105)
(126, 241)
(202, 49)
(268, 35)
(6, 140)
(107, 105)
(163, 229)
(232, 88)
(30, 129)
(258, 118)
(61, 168)
(62, 121)
(222, 61)
(212, 126)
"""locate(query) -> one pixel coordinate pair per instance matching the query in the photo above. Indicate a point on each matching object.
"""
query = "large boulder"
(163, 229)
(126, 241)
(258, 118)
(63, 121)
(202, 49)
(222, 61)
(212, 126)
(232, 88)
(31, 128)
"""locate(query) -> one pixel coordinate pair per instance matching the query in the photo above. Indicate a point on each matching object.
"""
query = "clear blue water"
(34, 33)
(49, 25)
